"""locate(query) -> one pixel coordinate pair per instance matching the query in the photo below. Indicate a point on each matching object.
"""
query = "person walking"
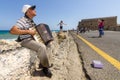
(21, 28)
(100, 27)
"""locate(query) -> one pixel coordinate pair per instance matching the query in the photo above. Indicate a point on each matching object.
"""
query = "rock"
(18, 63)
(8, 45)
(61, 36)
(15, 64)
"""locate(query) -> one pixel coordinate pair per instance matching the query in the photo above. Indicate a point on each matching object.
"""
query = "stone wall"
(110, 23)
(16, 62)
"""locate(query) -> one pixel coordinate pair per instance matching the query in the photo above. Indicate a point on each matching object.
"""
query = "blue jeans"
(101, 32)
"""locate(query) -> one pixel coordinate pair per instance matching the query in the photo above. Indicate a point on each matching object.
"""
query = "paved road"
(110, 44)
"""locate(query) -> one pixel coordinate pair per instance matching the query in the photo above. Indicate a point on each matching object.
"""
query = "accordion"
(43, 33)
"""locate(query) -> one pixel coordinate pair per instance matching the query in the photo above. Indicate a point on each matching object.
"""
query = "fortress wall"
(110, 23)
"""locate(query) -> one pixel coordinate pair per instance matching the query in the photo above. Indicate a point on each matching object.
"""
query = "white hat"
(26, 7)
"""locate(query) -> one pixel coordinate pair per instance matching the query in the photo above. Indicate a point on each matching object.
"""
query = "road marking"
(102, 53)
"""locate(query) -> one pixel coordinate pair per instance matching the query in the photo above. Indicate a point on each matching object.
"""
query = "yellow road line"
(102, 53)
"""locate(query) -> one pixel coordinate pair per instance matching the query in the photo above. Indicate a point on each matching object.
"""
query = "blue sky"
(52, 11)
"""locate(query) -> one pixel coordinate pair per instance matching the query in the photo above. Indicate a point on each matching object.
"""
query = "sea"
(5, 34)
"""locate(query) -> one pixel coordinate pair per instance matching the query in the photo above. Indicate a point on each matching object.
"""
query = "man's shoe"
(47, 72)
(41, 66)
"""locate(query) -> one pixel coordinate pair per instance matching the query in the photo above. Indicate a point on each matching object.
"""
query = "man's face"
(32, 11)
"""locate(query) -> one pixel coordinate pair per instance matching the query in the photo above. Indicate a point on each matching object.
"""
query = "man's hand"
(31, 32)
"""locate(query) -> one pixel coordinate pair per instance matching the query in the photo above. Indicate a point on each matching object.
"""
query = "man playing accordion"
(21, 28)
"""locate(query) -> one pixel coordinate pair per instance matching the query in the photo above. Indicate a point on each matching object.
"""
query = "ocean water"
(4, 34)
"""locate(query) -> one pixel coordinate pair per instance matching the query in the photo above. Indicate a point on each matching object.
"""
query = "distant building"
(110, 23)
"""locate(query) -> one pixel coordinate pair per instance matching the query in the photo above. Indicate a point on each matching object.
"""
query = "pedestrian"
(101, 27)
(61, 25)
(21, 28)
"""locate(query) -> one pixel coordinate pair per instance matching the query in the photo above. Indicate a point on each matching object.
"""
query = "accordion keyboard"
(37, 37)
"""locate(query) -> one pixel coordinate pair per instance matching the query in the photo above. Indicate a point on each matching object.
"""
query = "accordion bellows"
(43, 33)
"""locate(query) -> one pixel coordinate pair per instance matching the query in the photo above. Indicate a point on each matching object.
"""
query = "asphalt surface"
(110, 44)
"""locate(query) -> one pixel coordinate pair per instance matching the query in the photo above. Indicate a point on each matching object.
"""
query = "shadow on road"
(94, 37)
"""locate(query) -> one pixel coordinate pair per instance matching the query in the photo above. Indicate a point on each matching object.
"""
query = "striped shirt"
(25, 23)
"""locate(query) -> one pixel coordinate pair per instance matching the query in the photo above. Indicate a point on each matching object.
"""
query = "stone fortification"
(92, 24)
